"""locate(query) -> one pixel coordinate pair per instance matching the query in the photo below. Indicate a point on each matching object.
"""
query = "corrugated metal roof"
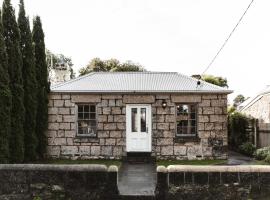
(141, 82)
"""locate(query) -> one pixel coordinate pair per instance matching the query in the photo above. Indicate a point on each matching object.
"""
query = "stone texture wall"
(213, 182)
(260, 109)
(110, 142)
(58, 182)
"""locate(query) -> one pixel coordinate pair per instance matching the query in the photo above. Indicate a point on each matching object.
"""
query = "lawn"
(70, 162)
(190, 162)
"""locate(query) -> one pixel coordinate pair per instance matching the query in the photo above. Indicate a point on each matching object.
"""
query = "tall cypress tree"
(43, 85)
(5, 101)
(30, 85)
(12, 40)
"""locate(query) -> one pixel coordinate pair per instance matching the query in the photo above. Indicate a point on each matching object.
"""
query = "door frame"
(128, 123)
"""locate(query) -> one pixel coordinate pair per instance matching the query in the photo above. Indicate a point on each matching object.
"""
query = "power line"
(227, 39)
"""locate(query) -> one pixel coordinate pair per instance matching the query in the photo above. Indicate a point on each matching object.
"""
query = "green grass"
(190, 162)
(70, 162)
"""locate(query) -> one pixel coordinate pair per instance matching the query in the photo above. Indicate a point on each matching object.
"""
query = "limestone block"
(59, 118)
(117, 151)
(53, 126)
(52, 118)
(51, 133)
(73, 126)
(204, 134)
(168, 134)
(205, 103)
(112, 102)
(138, 99)
(121, 126)
(95, 150)
(119, 118)
(53, 150)
(69, 150)
(54, 96)
(218, 118)
(162, 96)
(64, 111)
(110, 118)
(172, 126)
(164, 111)
(207, 151)
(115, 134)
(160, 118)
(106, 110)
(218, 110)
(69, 134)
(164, 141)
(120, 141)
(99, 110)
(111, 96)
(203, 118)
(60, 133)
(170, 118)
(68, 103)
(69, 118)
(106, 150)
(219, 102)
(110, 141)
(124, 110)
(209, 96)
(69, 141)
(186, 98)
(200, 126)
(116, 110)
(64, 126)
(52, 111)
(218, 126)
(166, 150)
(109, 126)
(58, 103)
(84, 150)
(65, 96)
(193, 151)
(163, 126)
(103, 103)
(50, 104)
(72, 111)
(208, 110)
(86, 98)
(100, 126)
(57, 141)
(119, 102)
(103, 134)
(102, 118)
(180, 150)
(209, 126)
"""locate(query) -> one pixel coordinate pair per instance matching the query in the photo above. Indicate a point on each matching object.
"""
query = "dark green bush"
(247, 148)
(267, 159)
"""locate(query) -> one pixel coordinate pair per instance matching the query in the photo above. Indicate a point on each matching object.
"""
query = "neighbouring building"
(59, 73)
(114, 114)
(258, 106)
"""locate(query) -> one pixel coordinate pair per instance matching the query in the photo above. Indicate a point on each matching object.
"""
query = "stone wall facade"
(260, 109)
(211, 140)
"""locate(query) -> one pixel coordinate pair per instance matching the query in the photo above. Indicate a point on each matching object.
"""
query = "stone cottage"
(114, 114)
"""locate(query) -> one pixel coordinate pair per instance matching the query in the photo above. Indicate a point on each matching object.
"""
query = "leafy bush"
(247, 148)
(262, 153)
(267, 159)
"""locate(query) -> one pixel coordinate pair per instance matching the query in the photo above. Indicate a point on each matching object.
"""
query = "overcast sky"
(163, 35)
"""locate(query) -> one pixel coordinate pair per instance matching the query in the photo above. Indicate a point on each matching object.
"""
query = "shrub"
(262, 153)
(247, 148)
(267, 159)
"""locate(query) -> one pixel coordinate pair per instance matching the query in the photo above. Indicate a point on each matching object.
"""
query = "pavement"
(238, 159)
(137, 179)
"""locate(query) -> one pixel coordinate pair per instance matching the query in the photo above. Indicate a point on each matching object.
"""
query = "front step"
(137, 197)
(138, 157)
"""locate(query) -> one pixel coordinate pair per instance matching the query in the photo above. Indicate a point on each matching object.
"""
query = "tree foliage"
(216, 80)
(12, 40)
(43, 85)
(238, 100)
(111, 65)
(30, 85)
(5, 101)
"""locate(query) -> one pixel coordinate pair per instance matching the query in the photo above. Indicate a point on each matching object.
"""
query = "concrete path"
(238, 159)
(137, 179)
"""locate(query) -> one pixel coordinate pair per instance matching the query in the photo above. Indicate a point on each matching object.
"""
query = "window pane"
(86, 116)
(80, 108)
(134, 121)
(87, 127)
(80, 115)
(86, 108)
(92, 115)
(92, 108)
(193, 115)
(143, 119)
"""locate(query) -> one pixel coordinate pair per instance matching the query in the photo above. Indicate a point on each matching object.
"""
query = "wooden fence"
(263, 134)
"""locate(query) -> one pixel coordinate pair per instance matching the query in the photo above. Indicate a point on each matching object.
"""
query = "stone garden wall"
(58, 182)
(213, 182)
(110, 141)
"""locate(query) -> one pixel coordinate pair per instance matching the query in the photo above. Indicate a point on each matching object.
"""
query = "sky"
(163, 35)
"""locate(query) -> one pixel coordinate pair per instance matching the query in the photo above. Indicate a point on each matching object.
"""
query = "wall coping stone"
(113, 168)
(162, 169)
(203, 168)
(53, 167)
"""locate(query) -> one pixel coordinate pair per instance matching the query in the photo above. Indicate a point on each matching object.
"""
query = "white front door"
(138, 128)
